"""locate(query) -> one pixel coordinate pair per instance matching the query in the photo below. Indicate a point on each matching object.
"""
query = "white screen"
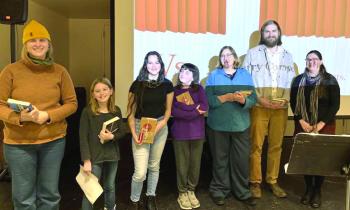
(201, 48)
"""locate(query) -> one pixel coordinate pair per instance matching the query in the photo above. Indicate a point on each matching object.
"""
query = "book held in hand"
(185, 98)
(246, 93)
(18, 105)
(110, 125)
(89, 184)
(147, 130)
(278, 100)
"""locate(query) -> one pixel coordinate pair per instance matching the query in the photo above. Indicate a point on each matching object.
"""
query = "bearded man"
(272, 69)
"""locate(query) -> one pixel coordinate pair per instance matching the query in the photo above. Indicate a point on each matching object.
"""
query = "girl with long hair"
(150, 96)
(99, 147)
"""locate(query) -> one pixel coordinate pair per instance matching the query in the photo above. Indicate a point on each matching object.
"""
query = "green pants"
(188, 155)
(230, 153)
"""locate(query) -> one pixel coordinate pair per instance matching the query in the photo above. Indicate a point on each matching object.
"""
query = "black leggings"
(313, 182)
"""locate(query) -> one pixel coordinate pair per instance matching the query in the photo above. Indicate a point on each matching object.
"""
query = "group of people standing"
(244, 104)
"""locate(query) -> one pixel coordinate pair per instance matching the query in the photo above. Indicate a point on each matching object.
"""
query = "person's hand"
(105, 135)
(42, 117)
(305, 126)
(29, 116)
(319, 126)
(186, 101)
(228, 97)
(134, 137)
(134, 134)
(239, 97)
(35, 116)
(87, 166)
(199, 110)
(265, 102)
(160, 125)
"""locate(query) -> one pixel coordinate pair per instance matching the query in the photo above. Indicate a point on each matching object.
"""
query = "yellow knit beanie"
(34, 30)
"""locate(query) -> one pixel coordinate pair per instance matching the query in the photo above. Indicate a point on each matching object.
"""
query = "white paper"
(286, 167)
(89, 184)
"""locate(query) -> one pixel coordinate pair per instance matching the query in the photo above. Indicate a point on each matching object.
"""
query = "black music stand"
(321, 154)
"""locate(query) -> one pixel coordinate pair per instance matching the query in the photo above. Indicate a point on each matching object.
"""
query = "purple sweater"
(188, 124)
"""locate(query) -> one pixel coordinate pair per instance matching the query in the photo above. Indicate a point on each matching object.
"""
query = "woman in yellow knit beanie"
(34, 138)
(32, 33)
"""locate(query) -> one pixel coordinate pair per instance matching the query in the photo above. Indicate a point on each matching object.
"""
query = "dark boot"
(306, 198)
(151, 203)
(134, 205)
(316, 198)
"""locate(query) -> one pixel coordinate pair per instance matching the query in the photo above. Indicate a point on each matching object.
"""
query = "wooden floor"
(333, 190)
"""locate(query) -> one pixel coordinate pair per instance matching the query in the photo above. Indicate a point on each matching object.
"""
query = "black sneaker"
(305, 199)
(218, 200)
(151, 203)
(249, 201)
(316, 199)
(134, 205)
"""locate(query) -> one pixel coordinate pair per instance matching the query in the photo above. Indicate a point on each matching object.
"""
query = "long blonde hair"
(94, 104)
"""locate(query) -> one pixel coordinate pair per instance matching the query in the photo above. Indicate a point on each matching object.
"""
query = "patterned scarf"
(300, 108)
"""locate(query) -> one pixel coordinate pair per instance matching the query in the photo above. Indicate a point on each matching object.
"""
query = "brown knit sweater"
(49, 88)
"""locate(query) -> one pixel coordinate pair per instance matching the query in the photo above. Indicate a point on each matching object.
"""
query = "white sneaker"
(183, 201)
(193, 199)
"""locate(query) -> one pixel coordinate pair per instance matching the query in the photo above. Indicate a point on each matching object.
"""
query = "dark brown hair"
(270, 22)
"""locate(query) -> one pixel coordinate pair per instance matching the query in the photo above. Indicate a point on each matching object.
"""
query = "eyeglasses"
(311, 59)
(226, 55)
(185, 71)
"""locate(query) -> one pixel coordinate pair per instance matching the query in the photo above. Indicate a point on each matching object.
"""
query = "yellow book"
(147, 130)
(246, 92)
(278, 100)
(185, 98)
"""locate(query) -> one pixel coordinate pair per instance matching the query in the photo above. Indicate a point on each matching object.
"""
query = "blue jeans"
(147, 156)
(35, 171)
(109, 170)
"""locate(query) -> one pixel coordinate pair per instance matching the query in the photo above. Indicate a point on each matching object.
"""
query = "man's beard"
(270, 42)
